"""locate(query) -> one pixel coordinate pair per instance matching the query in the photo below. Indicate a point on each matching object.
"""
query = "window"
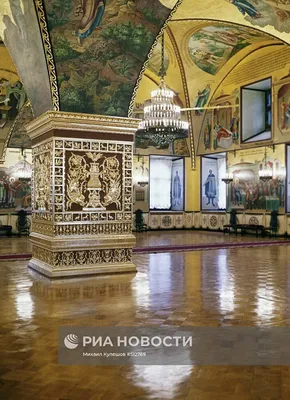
(256, 112)
(166, 183)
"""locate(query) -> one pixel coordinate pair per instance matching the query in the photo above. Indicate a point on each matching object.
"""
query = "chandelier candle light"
(162, 122)
(265, 174)
(228, 179)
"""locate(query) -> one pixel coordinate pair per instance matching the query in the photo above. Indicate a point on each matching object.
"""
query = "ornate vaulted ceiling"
(201, 54)
(15, 110)
(89, 56)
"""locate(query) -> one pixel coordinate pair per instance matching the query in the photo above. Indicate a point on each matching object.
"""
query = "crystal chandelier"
(265, 174)
(24, 172)
(162, 123)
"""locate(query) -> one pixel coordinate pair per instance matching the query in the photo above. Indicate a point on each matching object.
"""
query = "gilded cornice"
(81, 122)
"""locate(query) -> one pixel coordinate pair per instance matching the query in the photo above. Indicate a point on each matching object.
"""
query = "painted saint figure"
(235, 128)
(2, 192)
(207, 134)
(246, 8)
(202, 99)
(176, 189)
(286, 115)
(210, 188)
(92, 13)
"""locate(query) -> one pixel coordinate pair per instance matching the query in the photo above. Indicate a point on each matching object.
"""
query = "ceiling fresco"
(15, 110)
(18, 135)
(271, 16)
(212, 46)
(265, 12)
(19, 29)
(99, 48)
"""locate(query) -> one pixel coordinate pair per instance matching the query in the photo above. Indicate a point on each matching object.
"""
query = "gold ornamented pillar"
(82, 194)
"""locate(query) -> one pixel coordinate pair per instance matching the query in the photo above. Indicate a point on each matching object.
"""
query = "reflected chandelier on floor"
(162, 122)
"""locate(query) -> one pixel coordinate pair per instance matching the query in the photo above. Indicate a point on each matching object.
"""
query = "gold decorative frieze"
(43, 229)
(41, 182)
(62, 259)
(92, 229)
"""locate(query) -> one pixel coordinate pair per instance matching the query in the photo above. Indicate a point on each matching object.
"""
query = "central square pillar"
(82, 194)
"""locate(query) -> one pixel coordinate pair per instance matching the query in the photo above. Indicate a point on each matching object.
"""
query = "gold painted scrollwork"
(94, 181)
(42, 182)
(76, 182)
(112, 182)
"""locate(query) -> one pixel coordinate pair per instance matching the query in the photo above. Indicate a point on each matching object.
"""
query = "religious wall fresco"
(15, 192)
(248, 191)
(265, 12)
(20, 30)
(284, 105)
(12, 99)
(201, 99)
(220, 128)
(99, 49)
(212, 46)
(19, 137)
(14, 113)
(146, 147)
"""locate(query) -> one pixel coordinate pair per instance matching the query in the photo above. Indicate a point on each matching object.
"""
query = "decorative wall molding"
(210, 220)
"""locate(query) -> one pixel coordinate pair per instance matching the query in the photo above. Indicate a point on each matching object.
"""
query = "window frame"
(183, 186)
(268, 92)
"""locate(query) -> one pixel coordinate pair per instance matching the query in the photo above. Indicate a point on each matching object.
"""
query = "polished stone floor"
(240, 287)
(20, 245)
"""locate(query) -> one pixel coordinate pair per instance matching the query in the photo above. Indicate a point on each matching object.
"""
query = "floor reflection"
(226, 284)
(24, 305)
(160, 381)
(156, 288)
(240, 287)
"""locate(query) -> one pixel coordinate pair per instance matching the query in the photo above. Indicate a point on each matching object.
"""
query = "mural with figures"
(15, 183)
(265, 12)
(201, 99)
(220, 129)
(284, 105)
(248, 191)
(212, 46)
(19, 137)
(14, 113)
(99, 49)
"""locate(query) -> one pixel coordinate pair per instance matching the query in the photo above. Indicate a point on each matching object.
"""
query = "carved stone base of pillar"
(82, 194)
(89, 256)
(100, 269)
